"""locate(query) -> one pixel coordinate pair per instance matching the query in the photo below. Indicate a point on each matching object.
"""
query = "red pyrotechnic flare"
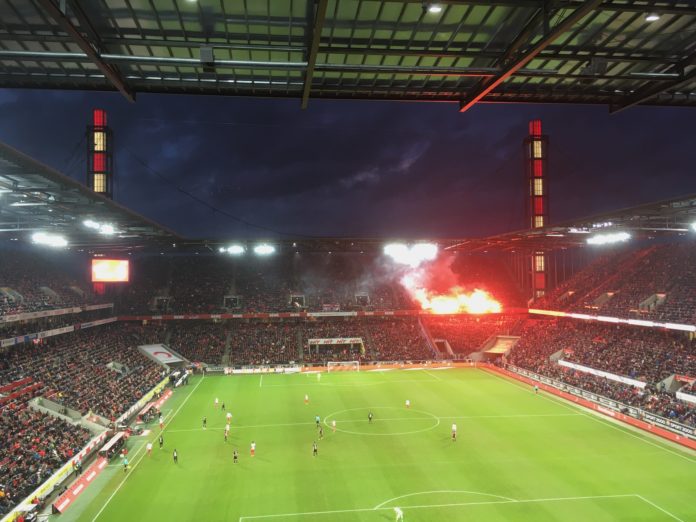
(453, 301)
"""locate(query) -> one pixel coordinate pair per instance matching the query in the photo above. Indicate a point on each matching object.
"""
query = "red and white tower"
(100, 155)
(536, 147)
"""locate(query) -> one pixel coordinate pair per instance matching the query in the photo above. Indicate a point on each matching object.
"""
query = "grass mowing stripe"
(548, 455)
(141, 457)
(575, 407)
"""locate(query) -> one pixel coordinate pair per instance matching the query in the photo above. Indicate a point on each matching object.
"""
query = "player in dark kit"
(176, 456)
(161, 441)
(235, 456)
(321, 432)
(223, 406)
(205, 423)
(314, 448)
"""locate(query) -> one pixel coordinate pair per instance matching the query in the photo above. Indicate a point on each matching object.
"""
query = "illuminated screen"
(109, 271)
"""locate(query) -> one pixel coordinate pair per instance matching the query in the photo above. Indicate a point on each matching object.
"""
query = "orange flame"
(457, 301)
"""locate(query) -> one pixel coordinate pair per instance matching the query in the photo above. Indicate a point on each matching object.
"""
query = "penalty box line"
(455, 504)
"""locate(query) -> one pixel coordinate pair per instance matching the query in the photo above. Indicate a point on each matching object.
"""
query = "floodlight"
(107, 230)
(52, 240)
(395, 249)
(91, 224)
(264, 249)
(652, 17)
(425, 251)
(606, 239)
(236, 250)
(434, 8)
(693, 226)
(413, 255)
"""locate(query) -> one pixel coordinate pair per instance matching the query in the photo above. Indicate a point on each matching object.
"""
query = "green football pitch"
(519, 456)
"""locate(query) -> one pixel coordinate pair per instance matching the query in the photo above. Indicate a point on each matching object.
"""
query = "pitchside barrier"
(262, 369)
(665, 428)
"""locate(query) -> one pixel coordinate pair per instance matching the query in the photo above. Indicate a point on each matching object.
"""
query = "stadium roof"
(659, 219)
(36, 198)
(608, 52)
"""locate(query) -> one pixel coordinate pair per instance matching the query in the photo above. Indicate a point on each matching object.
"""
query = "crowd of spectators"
(259, 342)
(33, 446)
(30, 283)
(657, 283)
(394, 339)
(20, 328)
(290, 282)
(98, 370)
(198, 341)
(643, 354)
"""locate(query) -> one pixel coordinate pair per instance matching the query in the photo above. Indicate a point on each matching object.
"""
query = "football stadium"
(542, 372)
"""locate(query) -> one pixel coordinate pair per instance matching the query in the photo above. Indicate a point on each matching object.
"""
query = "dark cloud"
(356, 168)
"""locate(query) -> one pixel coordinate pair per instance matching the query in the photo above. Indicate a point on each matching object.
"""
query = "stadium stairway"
(300, 345)
(226, 356)
(430, 342)
(69, 415)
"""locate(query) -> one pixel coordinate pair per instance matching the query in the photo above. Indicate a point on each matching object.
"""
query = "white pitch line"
(436, 377)
(576, 407)
(261, 382)
(430, 506)
(378, 506)
(658, 507)
(141, 457)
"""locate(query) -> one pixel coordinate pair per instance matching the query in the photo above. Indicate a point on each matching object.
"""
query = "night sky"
(355, 168)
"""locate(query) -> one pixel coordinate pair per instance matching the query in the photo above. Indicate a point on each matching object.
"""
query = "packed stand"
(33, 445)
(334, 329)
(642, 354)
(72, 369)
(198, 341)
(289, 282)
(654, 283)
(398, 340)
(259, 343)
(30, 283)
(22, 328)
